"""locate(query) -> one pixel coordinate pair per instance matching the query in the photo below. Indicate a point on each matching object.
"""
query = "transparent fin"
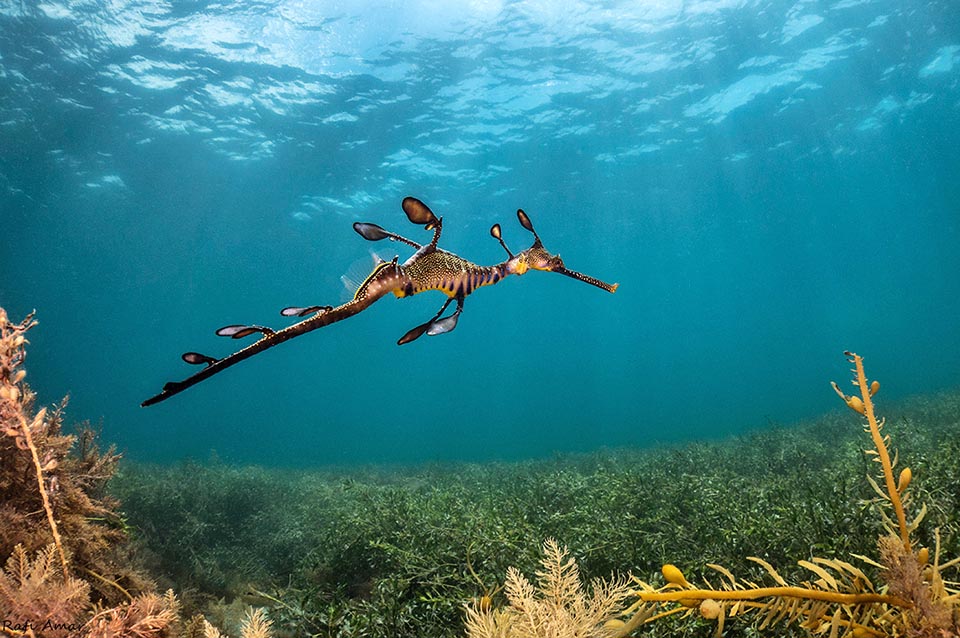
(357, 273)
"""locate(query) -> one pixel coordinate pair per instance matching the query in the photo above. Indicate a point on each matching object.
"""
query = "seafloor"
(91, 539)
(399, 551)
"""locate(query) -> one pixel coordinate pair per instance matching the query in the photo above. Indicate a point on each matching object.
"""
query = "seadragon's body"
(429, 268)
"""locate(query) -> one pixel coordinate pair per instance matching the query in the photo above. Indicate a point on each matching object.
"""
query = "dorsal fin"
(362, 289)
(357, 274)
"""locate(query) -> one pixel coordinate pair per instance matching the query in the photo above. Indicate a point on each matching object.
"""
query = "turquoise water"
(771, 183)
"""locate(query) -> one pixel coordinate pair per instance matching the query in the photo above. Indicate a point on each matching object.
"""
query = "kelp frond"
(893, 492)
(838, 599)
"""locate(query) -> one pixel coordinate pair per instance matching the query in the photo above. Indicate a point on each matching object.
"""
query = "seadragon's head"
(539, 258)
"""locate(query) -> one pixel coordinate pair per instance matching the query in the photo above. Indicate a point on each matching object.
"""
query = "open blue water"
(770, 182)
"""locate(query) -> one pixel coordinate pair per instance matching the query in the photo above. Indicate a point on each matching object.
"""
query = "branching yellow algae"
(839, 598)
(836, 599)
(894, 491)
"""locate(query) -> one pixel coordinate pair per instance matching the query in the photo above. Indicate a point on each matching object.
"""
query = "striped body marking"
(450, 274)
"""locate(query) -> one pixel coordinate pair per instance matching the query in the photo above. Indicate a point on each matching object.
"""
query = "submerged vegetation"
(373, 552)
(838, 598)
(69, 570)
(422, 551)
